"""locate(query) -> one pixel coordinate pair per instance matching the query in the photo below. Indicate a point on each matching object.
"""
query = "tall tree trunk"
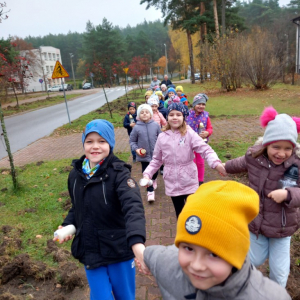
(203, 28)
(216, 19)
(10, 156)
(223, 17)
(190, 44)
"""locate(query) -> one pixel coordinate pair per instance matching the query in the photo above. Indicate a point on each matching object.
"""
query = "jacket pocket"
(77, 247)
(113, 243)
(188, 175)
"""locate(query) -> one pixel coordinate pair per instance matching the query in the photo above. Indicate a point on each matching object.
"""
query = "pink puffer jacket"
(159, 118)
(176, 153)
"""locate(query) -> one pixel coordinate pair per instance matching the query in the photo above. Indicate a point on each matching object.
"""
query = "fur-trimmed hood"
(296, 149)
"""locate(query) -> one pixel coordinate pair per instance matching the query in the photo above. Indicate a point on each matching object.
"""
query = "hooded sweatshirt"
(245, 284)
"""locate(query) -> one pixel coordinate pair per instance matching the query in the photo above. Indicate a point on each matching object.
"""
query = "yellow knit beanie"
(148, 93)
(179, 88)
(216, 217)
(158, 93)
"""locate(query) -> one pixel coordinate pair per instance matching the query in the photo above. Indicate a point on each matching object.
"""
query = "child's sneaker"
(151, 196)
(154, 184)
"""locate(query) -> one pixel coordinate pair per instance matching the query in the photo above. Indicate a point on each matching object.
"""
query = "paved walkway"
(160, 216)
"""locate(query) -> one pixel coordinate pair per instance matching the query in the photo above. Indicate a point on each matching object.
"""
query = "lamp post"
(71, 56)
(166, 59)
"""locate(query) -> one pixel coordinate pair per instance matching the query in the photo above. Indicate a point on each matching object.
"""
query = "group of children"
(214, 253)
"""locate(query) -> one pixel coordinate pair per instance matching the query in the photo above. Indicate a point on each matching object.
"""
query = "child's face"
(131, 110)
(145, 115)
(147, 97)
(203, 268)
(95, 148)
(154, 108)
(171, 94)
(179, 93)
(163, 88)
(175, 119)
(199, 108)
(279, 152)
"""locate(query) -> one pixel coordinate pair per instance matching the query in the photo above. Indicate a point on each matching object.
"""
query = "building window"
(53, 56)
(45, 56)
(51, 68)
(49, 54)
(47, 68)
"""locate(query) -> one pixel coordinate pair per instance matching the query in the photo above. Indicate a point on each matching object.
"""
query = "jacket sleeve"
(236, 165)
(206, 152)
(163, 121)
(126, 122)
(209, 127)
(295, 197)
(156, 161)
(133, 139)
(70, 218)
(132, 207)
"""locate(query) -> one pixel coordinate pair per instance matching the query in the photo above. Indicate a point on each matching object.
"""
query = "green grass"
(12, 97)
(10, 110)
(40, 191)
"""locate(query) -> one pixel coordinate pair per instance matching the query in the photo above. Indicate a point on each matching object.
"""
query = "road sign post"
(41, 82)
(60, 72)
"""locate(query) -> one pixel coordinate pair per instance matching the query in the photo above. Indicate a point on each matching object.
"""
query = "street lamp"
(72, 55)
(166, 59)
(46, 90)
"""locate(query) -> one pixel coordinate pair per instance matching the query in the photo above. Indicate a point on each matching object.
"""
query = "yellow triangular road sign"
(59, 71)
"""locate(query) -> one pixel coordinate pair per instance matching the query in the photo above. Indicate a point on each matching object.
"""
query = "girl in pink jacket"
(175, 149)
(153, 101)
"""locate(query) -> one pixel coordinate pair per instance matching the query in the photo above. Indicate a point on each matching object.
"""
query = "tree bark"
(216, 19)
(190, 44)
(10, 156)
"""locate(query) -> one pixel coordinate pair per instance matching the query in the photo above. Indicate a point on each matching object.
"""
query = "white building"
(46, 57)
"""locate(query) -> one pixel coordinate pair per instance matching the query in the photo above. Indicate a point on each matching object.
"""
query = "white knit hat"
(153, 100)
(144, 106)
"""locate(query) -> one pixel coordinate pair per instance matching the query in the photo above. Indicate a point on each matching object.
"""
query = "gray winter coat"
(245, 284)
(144, 135)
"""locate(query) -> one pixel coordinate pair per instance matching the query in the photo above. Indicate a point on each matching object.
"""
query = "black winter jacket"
(126, 122)
(162, 109)
(107, 211)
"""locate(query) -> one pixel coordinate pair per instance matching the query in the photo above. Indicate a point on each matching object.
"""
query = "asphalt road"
(24, 129)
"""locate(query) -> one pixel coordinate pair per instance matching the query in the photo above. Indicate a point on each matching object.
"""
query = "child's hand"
(132, 124)
(67, 238)
(204, 134)
(138, 250)
(278, 195)
(221, 169)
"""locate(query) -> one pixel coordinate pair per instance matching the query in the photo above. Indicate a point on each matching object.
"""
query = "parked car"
(67, 87)
(54, 88)
(197, 76)
(87, 85)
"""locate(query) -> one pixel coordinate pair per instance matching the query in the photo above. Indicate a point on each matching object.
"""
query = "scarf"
(87, 170)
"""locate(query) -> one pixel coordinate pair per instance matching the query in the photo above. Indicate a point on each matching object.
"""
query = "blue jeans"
(278, 252)
(115, 281)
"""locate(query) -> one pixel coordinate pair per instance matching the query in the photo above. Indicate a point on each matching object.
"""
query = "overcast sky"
(39, 18)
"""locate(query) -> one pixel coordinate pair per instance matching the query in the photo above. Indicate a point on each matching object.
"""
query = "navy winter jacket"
(126, 122)
(162, 109)
(107, 211)
(144, 135)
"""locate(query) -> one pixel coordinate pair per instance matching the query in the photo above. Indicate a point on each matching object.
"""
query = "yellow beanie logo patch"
(193, 224)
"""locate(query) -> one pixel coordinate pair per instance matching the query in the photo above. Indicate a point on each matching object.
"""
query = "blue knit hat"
(180, 107)
(171, 90)
(103, 128)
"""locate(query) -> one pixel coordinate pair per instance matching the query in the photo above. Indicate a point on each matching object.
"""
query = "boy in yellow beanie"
(212, 240)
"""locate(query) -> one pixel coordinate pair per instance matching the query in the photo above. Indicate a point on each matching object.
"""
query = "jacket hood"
(234, 284)
(296, 149)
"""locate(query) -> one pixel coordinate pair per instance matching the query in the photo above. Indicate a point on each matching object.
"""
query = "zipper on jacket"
(149, 141)
(283, 218)
(103, 187)
(74, 190)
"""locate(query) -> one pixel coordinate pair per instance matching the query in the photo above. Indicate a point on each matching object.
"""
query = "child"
(157, 116)
(144, 136)
(198, 118)
(279, 214)
(171, 92)
(148, 94)
(175, 149)
(172, 99)
(180, 94)
(161, 107)
(129, 123)
(164, 90)
(108, 214)
(213, 240)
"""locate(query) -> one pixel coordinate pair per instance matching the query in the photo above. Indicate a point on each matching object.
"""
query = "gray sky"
(38, 17)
